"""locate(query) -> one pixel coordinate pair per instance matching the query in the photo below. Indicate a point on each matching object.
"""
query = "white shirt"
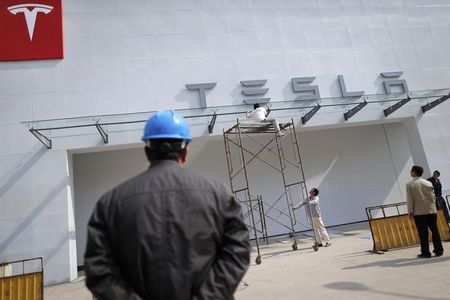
(311, 203)
(258, 114)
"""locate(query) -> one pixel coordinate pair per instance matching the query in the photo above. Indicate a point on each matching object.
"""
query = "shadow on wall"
(353, 171)
(21, 168)
(37, 64)
(51, 253)
(33, 215)
(208, 157)
(54, 275)
(190, 99)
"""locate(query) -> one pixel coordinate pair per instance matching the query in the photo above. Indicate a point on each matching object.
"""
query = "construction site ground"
(345, 270)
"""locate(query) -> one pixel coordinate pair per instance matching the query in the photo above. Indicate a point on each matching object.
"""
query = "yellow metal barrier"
(393, 228)
(24, 285)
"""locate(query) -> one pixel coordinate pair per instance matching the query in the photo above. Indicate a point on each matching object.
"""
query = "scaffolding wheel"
(258, 260)
(294, 246)
(316, 247)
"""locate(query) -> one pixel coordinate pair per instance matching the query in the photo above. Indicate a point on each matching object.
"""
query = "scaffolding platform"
(253, 127)
(249, 146)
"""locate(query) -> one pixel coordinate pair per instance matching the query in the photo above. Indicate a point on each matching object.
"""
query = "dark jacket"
(437, 186)
(168, 233)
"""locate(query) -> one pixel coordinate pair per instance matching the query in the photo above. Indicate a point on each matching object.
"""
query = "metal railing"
(22, 279)
(391, 226)
(384, 208)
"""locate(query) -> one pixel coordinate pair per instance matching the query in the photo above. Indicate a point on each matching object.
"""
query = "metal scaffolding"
(250, 144)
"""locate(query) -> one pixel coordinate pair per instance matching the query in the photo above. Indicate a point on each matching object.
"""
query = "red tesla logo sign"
(30, 30)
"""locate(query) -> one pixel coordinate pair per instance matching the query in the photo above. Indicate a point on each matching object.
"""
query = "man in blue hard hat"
(168, 233)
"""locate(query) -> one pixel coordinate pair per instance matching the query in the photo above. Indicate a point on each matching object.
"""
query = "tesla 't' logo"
(30, 10)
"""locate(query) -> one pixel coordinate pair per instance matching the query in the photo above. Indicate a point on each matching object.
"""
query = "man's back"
(258, 115)
(168, 228)
(420, 196)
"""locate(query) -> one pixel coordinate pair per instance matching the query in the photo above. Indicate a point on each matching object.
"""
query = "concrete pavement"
(346, 270)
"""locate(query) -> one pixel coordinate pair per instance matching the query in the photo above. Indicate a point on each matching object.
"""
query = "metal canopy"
(102, 133)
(354, 110)
(435, 103)
(42, 138)
(212, 123)
(104, 125)
(393, 108)
(310, 114)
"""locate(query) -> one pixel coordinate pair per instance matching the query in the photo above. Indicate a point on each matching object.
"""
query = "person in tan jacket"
(421, 203)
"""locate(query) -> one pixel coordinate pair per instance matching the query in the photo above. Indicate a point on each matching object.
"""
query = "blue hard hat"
(167, 124)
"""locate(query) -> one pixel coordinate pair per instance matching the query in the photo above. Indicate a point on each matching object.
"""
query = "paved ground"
(346, 270)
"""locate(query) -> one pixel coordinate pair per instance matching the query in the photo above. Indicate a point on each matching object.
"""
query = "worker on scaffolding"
(259, 114)
(168, 233)
(313, 210)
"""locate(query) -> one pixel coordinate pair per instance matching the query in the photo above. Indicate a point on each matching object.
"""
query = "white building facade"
(129, 56)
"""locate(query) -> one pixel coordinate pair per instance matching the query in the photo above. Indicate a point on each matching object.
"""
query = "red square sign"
(30, 30)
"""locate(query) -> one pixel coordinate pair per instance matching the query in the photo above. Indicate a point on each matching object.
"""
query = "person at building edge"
(421, 203)
(440, 202)
(168, 233)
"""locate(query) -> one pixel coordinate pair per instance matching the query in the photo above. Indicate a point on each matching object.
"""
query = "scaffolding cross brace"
(287, 166)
